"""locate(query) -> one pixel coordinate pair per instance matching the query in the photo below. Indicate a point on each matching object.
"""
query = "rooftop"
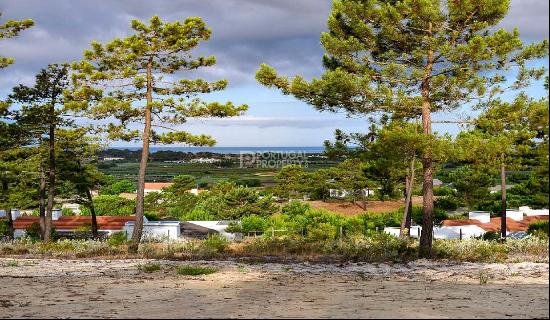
(494, 225)
(73, 222)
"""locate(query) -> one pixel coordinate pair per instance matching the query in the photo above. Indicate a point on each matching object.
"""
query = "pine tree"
(133, 80)
(502, 136)
(11, 29)
(416, 58)
(42, 113)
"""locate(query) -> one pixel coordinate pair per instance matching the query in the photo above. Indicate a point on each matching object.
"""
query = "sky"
(282, 33)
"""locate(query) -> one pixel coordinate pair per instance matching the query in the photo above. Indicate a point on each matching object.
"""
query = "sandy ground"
(423, 289)
(350, 209)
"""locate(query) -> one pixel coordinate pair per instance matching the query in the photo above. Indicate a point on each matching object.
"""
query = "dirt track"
(96, 288)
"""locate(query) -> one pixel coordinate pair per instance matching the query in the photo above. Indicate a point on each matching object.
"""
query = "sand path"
(424, 289)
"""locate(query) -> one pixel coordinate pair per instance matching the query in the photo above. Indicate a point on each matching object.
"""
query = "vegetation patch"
(188, 270)
(149, 267)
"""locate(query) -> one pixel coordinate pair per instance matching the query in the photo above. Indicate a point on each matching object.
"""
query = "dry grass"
(377, 247)
(349, 209)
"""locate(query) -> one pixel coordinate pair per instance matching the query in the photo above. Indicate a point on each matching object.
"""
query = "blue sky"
(282, 33)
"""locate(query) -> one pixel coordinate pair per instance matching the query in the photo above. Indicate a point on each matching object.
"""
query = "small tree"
(133, 80)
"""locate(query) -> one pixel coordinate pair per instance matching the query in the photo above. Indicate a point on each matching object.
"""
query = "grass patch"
(12, 264)
(195, 271)
(149, 267)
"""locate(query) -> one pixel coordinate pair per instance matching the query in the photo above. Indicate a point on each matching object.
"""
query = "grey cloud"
(284, 33)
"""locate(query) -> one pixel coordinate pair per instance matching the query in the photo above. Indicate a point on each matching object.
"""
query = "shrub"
(188, 270)
(471, 250)
(149, 267)
(67, 212)
(322, 231)
(443, 191)
(248, 182)
(538, 228)
(447, 203)
(213, 245)
(117, 239)
(491, 236)
(4, 227)
(34, 232)
(294, 208)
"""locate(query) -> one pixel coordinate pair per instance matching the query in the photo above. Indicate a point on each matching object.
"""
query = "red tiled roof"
(157, 185)
(73, 222)
(494, 225)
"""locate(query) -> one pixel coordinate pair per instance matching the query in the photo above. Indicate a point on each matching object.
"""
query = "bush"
(4, 227)
(149, 267)
(443, 191)
(294, 208)
(538, 228)
(213, 245)
(447, 203)
(248, 182)
(188, 270)
(34, 232)
(117, 238)
(491, 236)
(67, 212)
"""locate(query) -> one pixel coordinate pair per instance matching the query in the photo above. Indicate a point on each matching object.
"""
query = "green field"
(203, 172)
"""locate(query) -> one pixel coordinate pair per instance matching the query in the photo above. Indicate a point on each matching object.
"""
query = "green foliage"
(149, 267)
(110, 205)
(34, 232)
(182, 183)
(118, 187)
(472, 184)
(10, 29)
(139, 62)
(4, 227)
(443, 191)
(448, 203)
(491, 236)
(188, 270)
(117, 239)
(250, 182)
(295, 208)
(214, 244)
(538, 228)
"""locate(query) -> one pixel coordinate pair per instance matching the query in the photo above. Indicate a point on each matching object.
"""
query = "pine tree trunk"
(42, 201)
(138, 225)
(8, 213)
(95, 233)
(503, 197)
(409, 183)
(426, 237)
(51, 185)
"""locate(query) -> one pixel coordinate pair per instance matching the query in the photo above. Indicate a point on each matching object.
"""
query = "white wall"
(160, 230)
(481, 216)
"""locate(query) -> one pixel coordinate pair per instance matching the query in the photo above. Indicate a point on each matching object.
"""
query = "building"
(69, 224)
(155, 186)
(480, 222)
(498, 188)
(342, 194)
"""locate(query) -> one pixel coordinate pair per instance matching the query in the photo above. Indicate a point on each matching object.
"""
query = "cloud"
(279, 122)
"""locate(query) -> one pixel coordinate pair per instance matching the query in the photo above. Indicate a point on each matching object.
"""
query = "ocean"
(230, 150)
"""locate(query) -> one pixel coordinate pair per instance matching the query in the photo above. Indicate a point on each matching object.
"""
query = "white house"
(341, 193)
(159, 230)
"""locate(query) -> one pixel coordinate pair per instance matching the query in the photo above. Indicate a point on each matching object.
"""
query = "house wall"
(156, 230)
